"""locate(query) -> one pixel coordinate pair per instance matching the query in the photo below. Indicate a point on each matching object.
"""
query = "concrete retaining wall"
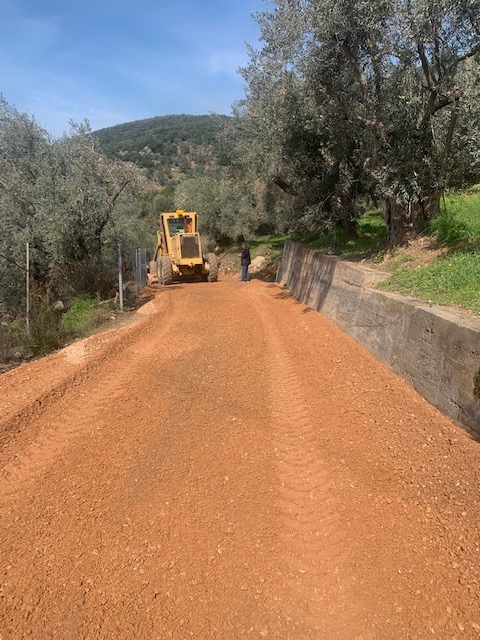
(435, 350)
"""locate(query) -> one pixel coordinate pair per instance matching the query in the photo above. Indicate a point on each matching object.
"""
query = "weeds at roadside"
(452, 280)
(50, 328)
(83, 316)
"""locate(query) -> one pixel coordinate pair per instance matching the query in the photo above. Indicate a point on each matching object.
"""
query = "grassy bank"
(452, 275)
(50, 327)
(452, 280)
(442, 266)
(371, 238)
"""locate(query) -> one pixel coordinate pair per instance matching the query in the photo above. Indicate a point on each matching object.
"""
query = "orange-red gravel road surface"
(231, 465)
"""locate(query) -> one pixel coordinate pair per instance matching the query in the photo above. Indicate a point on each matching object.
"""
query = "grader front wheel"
(165, 271)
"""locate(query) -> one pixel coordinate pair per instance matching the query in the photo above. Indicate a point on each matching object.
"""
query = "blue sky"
(113, 61)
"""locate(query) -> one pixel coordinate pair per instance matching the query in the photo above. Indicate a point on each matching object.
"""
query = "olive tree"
(79, 224)
(378, 90)
(61, 196)
(25, 154)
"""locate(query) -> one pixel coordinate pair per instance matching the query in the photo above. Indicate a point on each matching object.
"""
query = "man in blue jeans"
(245, 261)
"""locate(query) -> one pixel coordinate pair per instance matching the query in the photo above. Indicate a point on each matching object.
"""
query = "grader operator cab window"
(175, 225)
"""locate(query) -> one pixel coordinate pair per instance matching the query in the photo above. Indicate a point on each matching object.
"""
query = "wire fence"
(140, 269)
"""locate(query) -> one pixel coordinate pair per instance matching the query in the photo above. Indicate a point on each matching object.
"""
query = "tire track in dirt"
(67, 409)
(210, 454)
(313, 539)
(31, 388)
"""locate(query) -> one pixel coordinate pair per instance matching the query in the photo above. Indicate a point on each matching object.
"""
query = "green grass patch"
(371, 237)
(399, 263)
(453, 280)
(83, 316)
(465, 207)
(458, 223)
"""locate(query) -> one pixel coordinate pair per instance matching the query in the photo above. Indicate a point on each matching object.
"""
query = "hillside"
(167, 147)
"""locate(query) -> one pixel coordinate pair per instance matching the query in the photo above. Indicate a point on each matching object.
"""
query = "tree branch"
(448, 142)
(425, 66)
(284, 186)
(469, 54)
(447, 98)
(355, 67)
(117, 193)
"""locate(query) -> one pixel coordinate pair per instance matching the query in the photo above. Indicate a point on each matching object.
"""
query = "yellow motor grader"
(179, 255)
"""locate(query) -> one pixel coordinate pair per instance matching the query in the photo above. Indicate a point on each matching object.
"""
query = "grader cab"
(179, 255)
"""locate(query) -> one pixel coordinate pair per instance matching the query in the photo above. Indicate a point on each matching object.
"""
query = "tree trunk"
(343, 212)
(348, 218)
(406, 221)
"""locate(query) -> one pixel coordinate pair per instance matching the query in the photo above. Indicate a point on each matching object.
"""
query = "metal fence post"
(140, 269)
(144, 267)
(120, 278)
(27, 290)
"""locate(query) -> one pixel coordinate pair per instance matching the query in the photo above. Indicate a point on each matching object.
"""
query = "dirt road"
(230, 466)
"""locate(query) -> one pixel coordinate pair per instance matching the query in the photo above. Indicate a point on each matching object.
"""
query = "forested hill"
(168, 147)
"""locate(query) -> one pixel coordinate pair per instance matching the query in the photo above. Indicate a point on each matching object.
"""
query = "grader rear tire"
(165, 271)
(212, 262)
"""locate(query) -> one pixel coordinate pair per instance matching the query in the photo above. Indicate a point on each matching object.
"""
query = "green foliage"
(46, 333)
(51, 328)
(15, 338)
(225, 213)
(83, 315)
(63, 197)
(451, 281)
(169, 148)
(354, 100)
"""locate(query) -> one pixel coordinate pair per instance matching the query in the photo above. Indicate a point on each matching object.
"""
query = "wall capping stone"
(435, 349)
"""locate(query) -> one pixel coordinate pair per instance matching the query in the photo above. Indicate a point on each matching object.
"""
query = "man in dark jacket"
(245, 261)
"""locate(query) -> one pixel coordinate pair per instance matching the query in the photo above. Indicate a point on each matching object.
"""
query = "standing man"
(245, 261)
